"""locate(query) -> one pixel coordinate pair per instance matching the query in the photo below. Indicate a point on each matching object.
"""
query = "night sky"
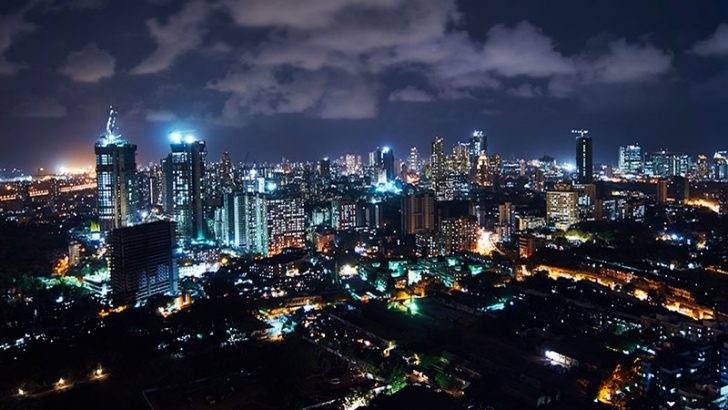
(306, 79)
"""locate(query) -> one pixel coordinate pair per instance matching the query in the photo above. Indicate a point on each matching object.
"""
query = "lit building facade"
(458, 235)
(584, 159)
(666, 164)
(184, 171)
(116, 178)
(438, 163)
(561, 209)
(630, 159)
(285, 223)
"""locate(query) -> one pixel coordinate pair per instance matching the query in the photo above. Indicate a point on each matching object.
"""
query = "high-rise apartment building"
(630, 159)
(413, 162)
(661, 193)
(142, 262)
(438, 163)
(458, 235)
(584, 159)
(184, 173)
(664, 163)
(116, 179)
(388, 164)
(343, 213)
(418, 213)
(285, 223)
(477, 144)
(561, 208)
(325, 168)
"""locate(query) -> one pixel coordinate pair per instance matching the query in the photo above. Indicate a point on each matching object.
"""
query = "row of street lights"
(62, 384)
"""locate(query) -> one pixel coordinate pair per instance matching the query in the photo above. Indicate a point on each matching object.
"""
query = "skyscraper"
(720, 165)
(285, 223)
(459, 162)
(702, 168)
(584, 161)
(661, 194)
(142, 262)
(438, 163)
(227, 177)
(353, 164)
(664, 163)
(185, 168)
(413, 163)
(630, 159)
(325, 168)
(476, 145)
(388, 163)
(343, 213)
(495, 169)
(115, 177)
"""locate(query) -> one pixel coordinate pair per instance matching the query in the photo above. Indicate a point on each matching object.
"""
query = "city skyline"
(251, 82)
(364, 204)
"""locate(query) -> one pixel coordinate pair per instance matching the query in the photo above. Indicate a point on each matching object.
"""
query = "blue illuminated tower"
(388, 163)
(184, 173)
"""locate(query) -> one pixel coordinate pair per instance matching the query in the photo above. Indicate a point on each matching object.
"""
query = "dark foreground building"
(142, 262)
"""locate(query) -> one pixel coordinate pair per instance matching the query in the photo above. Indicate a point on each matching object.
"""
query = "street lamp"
(60, 384)
(98, 373)
(21, 392)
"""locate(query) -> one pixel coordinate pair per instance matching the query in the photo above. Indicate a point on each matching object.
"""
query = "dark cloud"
(11, 27)
(89, 65)
(46, 107)
(364, 41)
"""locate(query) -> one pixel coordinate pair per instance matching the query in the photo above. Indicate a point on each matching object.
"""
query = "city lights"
(61, 384)
(237, 233)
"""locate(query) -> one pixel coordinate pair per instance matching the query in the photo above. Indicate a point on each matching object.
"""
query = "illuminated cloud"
(315, 44)
(629, 62)
(523, 51)
(181, 33)
(715, 45)
(159, 115)
(89, 65)
(410, 94)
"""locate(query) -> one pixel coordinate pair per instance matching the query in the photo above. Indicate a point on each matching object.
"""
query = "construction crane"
(581, 132)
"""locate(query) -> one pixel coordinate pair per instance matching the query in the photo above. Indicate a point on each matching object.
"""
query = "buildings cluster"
(446, 203)
(634, 163)
(457, 232)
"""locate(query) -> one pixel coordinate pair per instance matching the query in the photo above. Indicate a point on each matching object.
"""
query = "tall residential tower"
(584, 161)
(115, 177)
(184, 173)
